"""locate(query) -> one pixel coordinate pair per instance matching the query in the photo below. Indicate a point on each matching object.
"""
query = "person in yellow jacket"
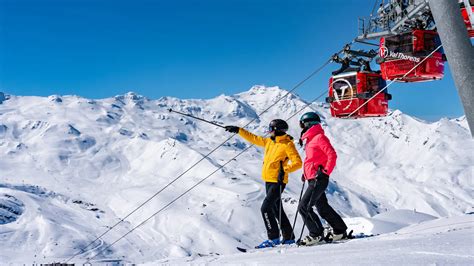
(280, 158)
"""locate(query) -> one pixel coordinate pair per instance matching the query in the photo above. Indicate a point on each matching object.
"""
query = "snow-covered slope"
(444, 241)
(70, 167)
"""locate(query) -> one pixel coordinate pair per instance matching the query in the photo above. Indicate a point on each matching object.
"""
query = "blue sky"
(187, 49)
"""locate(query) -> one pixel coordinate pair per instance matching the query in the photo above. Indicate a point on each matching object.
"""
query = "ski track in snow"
(71, 167)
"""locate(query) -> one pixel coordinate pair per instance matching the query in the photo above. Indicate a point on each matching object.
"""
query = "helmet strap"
(302, 133)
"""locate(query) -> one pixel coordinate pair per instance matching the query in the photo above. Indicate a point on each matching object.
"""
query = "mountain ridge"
(114, 153)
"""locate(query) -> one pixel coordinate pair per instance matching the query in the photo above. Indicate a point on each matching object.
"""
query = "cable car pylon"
(459, 51)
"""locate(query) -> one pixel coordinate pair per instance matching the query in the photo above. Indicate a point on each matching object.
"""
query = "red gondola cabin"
(469, 26)
(348, 91)
(400, 53)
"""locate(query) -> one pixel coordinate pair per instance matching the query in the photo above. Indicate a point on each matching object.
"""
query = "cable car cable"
(82, 250)
(194, 186)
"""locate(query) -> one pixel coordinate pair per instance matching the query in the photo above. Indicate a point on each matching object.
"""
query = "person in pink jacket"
(317, 167)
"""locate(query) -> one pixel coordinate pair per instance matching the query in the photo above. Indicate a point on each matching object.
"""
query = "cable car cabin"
(465, 16)
(348, 91)
(400, 53)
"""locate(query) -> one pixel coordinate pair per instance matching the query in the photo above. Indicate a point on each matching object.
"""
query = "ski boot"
(330, 237)
(269, 243)
(311, 240)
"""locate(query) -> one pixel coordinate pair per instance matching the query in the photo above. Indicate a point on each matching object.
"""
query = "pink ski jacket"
(319, 151)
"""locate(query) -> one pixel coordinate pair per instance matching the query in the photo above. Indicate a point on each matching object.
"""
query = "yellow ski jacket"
(277, 149)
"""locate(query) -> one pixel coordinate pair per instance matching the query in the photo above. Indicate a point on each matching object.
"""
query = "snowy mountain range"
(72, 167)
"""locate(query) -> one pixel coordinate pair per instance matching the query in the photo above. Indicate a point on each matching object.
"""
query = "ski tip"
(242, 249)
(170, 110)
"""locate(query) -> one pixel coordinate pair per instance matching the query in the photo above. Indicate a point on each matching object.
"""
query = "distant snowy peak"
(216, 108)
(240, 109)
(261, 90)
(246, 105)
(261, 97)
(409, 125)
(131, 98)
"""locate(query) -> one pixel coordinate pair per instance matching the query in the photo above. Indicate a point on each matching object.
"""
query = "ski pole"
(296, 215)
(309, 208)
(197, 118)
(279, 213)
(301, 234)
(280, 184)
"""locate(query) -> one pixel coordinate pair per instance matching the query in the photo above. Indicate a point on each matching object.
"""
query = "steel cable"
(194, 186)
(316, 71)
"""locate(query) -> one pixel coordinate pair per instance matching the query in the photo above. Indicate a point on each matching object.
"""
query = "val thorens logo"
(383, 51)
(341, 91)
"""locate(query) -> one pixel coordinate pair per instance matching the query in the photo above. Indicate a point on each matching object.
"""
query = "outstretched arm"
(254, 139)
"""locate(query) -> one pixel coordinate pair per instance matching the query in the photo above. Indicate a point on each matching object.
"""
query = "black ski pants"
(315, 196)
(271, 207)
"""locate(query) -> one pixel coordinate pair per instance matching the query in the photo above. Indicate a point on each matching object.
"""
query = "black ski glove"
(232, 129)
(321, 173)
(281, 173)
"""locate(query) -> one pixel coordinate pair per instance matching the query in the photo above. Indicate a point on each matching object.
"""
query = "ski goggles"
(272, 129)
(308, 124)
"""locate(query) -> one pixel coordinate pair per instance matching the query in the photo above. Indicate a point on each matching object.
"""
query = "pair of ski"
(327, 241)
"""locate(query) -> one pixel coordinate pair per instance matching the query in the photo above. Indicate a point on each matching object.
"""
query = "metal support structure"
(367, 43)
(412, 14)
(394, 18)
(459, 51)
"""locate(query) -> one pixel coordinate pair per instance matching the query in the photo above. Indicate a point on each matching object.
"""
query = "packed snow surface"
(444, 241)
(72, 167)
